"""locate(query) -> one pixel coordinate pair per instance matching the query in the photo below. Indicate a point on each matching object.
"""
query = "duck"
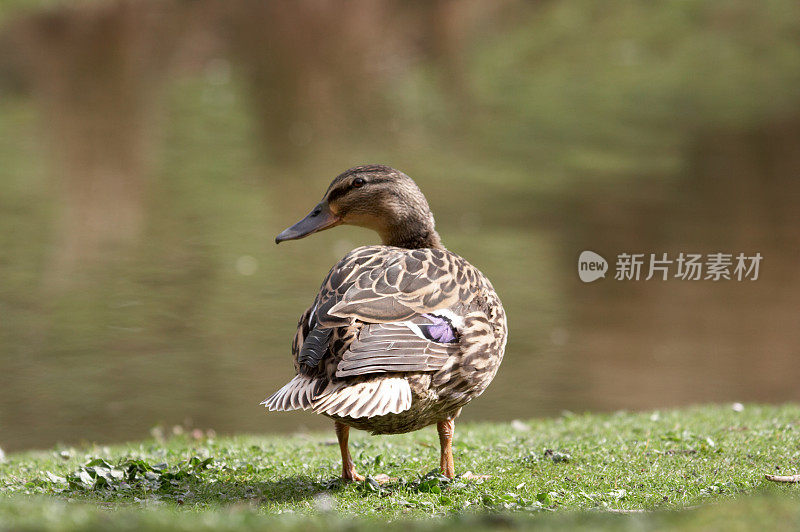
(400, 336)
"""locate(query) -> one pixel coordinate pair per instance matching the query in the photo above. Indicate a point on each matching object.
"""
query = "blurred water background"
(151, 150)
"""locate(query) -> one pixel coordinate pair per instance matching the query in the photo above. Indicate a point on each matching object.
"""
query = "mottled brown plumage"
(399, 336)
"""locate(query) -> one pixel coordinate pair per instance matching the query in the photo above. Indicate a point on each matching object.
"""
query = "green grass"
(576, 470)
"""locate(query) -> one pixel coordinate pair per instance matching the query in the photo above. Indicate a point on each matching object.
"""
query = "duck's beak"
(318, 219)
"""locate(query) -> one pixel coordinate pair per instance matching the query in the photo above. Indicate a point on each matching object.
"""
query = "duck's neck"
(427, 240)
(413, 234)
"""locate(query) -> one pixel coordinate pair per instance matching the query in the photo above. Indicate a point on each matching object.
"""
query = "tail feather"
(365, 399)
(370, 398)
(297, 393)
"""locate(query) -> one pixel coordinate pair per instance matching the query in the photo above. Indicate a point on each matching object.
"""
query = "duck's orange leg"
(348, 468)
(446, 429)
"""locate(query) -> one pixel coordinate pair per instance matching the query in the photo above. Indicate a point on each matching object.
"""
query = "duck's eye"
(358, 182)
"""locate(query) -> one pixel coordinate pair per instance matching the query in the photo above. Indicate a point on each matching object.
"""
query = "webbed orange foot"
(351, 476)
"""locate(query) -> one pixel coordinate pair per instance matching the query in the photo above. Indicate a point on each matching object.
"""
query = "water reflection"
(143, 182)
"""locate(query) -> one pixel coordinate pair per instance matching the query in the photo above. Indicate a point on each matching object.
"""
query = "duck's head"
(376, 197)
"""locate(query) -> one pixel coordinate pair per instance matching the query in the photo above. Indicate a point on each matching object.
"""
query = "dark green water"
(141, 189)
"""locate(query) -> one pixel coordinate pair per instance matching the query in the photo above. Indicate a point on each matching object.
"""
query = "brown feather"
(365, 300)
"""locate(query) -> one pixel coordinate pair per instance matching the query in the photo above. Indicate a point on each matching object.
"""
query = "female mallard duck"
(400, 336)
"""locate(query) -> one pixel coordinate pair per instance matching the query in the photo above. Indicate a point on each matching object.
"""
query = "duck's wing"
(394, 298)
(400, 305)
(422, 343)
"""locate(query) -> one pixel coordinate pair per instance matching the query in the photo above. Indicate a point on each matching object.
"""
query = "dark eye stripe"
(337, 193)
(341, 191)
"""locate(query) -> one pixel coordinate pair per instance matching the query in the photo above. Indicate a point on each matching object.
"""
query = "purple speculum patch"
(440, 330)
